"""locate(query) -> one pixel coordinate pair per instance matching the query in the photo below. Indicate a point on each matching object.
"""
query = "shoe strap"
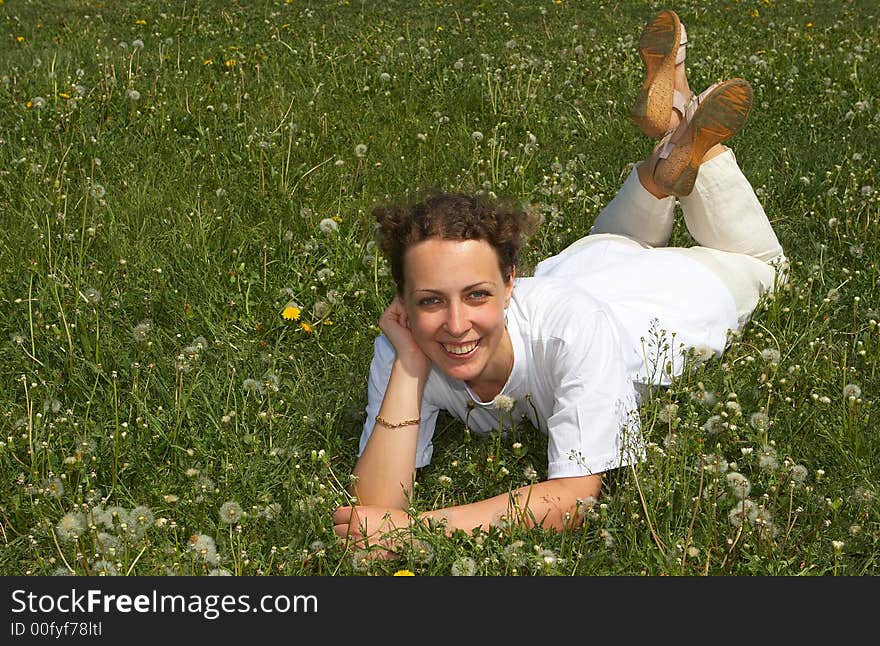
(665, 145)
(687, 107)
(682, 46)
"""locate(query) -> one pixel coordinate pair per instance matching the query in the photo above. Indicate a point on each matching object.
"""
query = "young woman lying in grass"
(567, 348)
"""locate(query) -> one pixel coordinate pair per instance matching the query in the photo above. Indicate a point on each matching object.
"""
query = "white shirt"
(577, 330)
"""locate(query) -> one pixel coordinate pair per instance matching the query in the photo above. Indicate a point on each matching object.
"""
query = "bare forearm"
(552, 504)
(385, 470)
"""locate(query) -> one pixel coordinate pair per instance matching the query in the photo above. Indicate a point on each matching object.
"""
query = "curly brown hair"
(453, 216)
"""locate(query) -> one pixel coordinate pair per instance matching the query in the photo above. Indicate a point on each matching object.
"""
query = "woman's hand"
(364, 525)
(394, 323)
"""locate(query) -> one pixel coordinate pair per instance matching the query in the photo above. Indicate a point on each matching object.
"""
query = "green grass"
(133, 226)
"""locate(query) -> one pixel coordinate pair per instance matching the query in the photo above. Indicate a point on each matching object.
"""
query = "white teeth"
(460, 349)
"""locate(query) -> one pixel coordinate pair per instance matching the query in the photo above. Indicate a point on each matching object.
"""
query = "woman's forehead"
(437, 261)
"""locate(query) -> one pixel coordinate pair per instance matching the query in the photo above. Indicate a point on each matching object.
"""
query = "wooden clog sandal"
(662, 46)
(710, 118)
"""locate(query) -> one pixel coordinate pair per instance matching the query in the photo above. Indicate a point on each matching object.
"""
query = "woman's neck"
(496, 373)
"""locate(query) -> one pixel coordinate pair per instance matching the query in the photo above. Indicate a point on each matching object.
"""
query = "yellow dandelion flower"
(141, 21)
(29, 104)
(229, 62)
(207, 61)
(327, 322)
(404, 573)
(754, 13)
(305, 327)
(64, 95)
(19, 39)
(291, 312)
(809, 24)
(337, 218)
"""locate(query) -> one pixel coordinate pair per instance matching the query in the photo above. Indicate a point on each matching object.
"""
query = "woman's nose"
(456, 320)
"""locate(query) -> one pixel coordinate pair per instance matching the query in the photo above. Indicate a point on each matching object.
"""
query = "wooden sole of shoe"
(658, 47)
(721, 115)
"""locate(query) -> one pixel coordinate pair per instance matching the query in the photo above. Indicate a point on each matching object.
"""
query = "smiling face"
(455, 298)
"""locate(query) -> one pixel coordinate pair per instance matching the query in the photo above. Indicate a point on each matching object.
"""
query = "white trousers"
(723, 215)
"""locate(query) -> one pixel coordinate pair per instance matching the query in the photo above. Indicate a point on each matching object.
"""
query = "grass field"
(173, 175)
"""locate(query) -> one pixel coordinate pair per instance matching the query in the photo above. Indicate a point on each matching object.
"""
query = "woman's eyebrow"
(464, 289)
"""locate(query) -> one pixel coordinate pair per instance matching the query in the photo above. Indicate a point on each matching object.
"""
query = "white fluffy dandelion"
(104, 568)
(713, 425)
(740, 512)
(504, 403)
(852, 391)
(230, 512)
(464, 566)
(739, 484)
(798, 473)
(71, 526)
(714, 463)
(328, 226)
(767, 459)
(92, 296)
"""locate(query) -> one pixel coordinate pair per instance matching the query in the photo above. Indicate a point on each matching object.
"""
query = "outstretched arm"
(552, 504)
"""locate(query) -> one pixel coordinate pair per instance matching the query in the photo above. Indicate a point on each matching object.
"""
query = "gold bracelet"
(407, 422)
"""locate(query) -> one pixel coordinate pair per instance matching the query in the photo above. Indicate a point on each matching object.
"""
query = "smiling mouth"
(461, 349)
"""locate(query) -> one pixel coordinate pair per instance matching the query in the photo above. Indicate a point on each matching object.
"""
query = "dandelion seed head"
(668, 413)
(253, 387)
(71, 526)
(361, 561)
(328, 226)
(132, 95)
(477, 136)
(739, 514)
(271, 511)
(53, 487)
(360, 150)
(142, 516)
(767, 459)
(739, 484)
(141, 331)
(714, 463)
(503, 403)
(852, 391)
(104, 568)
(230, 512)
(759, 420)
(464, 566)
(798, 473)
(92, 296)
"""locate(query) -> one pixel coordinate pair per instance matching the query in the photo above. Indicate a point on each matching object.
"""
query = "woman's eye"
(430, 300)
(479, 294)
